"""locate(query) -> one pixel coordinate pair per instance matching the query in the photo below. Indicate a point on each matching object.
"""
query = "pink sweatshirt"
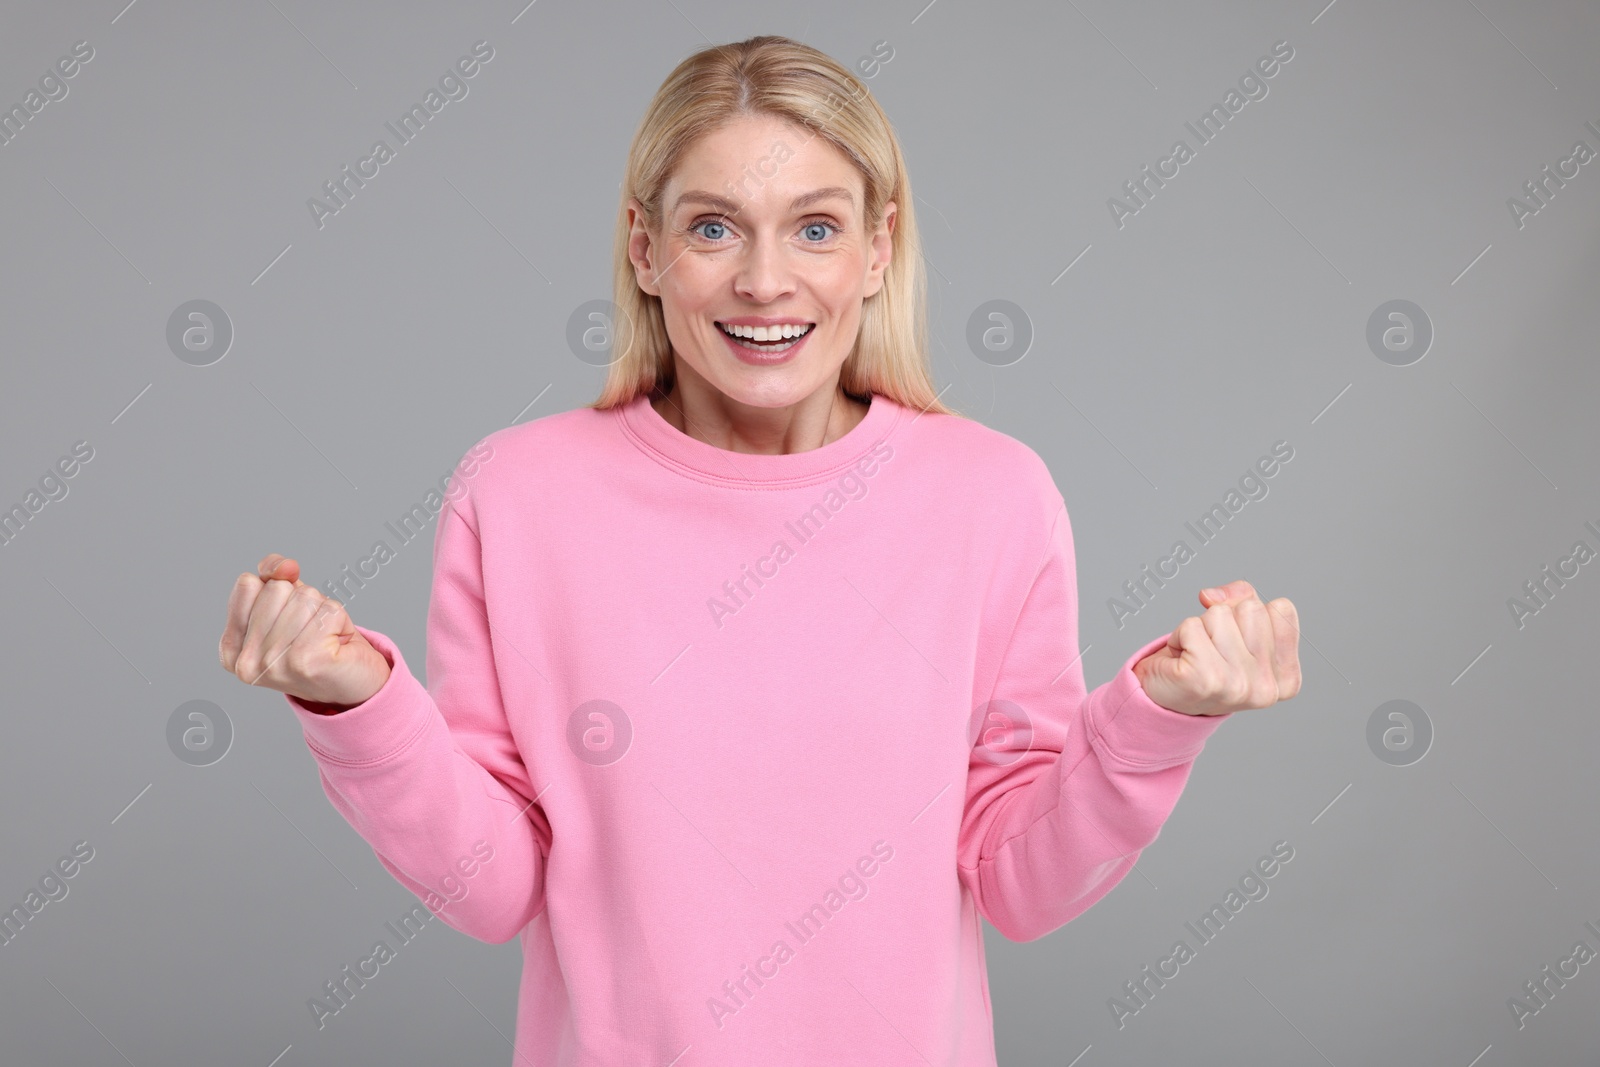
(743, 745)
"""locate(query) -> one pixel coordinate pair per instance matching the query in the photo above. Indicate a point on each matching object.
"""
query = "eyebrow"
(728, 207)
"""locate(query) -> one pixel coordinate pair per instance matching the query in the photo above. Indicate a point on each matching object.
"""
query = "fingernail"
(1214, 594)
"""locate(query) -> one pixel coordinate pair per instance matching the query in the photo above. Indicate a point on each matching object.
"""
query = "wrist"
(323, 709)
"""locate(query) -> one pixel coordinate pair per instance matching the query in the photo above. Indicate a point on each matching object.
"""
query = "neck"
(700, 410)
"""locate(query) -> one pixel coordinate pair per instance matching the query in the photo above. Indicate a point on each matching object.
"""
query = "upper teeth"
(766, 333)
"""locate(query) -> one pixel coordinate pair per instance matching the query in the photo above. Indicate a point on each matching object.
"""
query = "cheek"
(695, 281)
(843, 275)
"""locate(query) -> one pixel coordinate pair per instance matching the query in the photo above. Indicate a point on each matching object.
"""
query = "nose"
(765, 272)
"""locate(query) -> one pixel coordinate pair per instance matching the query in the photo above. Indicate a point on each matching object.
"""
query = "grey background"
(1228, 314)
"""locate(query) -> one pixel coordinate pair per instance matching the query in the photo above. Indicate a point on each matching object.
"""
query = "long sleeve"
(431, 777)
(1065, 788)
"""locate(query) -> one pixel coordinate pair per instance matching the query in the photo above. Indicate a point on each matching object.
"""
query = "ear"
(641, 249)
(882, 249)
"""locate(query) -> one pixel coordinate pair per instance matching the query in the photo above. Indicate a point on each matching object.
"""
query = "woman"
(754, 684)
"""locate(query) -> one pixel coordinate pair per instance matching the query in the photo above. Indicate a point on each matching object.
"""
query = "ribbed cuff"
(379, 727)
(1135, 729)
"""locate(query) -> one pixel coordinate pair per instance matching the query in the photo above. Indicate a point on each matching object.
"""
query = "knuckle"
(246, 666)
(326, 618)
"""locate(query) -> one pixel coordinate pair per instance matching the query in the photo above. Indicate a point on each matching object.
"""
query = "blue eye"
(828, 228)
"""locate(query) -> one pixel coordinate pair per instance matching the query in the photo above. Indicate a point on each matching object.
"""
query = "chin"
(767, 390)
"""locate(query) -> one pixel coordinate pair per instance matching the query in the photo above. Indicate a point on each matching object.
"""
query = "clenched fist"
(286, 635)
(1240, 654)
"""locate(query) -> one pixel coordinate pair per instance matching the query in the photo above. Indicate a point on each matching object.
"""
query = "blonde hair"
(785, 79)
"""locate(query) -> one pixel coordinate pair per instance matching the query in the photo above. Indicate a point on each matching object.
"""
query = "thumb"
(1160, 661)
(281, 567)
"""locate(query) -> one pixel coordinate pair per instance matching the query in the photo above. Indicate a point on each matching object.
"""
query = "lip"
(761, 359)
(764, 320)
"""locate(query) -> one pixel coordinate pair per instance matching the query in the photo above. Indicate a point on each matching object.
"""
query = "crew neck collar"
(694, 458)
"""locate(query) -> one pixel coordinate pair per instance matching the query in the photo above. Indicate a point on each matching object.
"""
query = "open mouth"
(768, 339)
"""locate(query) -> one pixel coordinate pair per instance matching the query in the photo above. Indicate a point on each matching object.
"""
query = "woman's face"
(762, 225)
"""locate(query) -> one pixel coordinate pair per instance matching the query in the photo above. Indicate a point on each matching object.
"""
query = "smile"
(767, 339)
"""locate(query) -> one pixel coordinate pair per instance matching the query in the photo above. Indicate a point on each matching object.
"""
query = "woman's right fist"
(286, 635)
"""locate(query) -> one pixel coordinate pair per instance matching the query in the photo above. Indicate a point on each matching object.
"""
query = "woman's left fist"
(1240, 654)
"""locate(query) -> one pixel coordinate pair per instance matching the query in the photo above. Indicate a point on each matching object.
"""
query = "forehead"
(762, 164)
